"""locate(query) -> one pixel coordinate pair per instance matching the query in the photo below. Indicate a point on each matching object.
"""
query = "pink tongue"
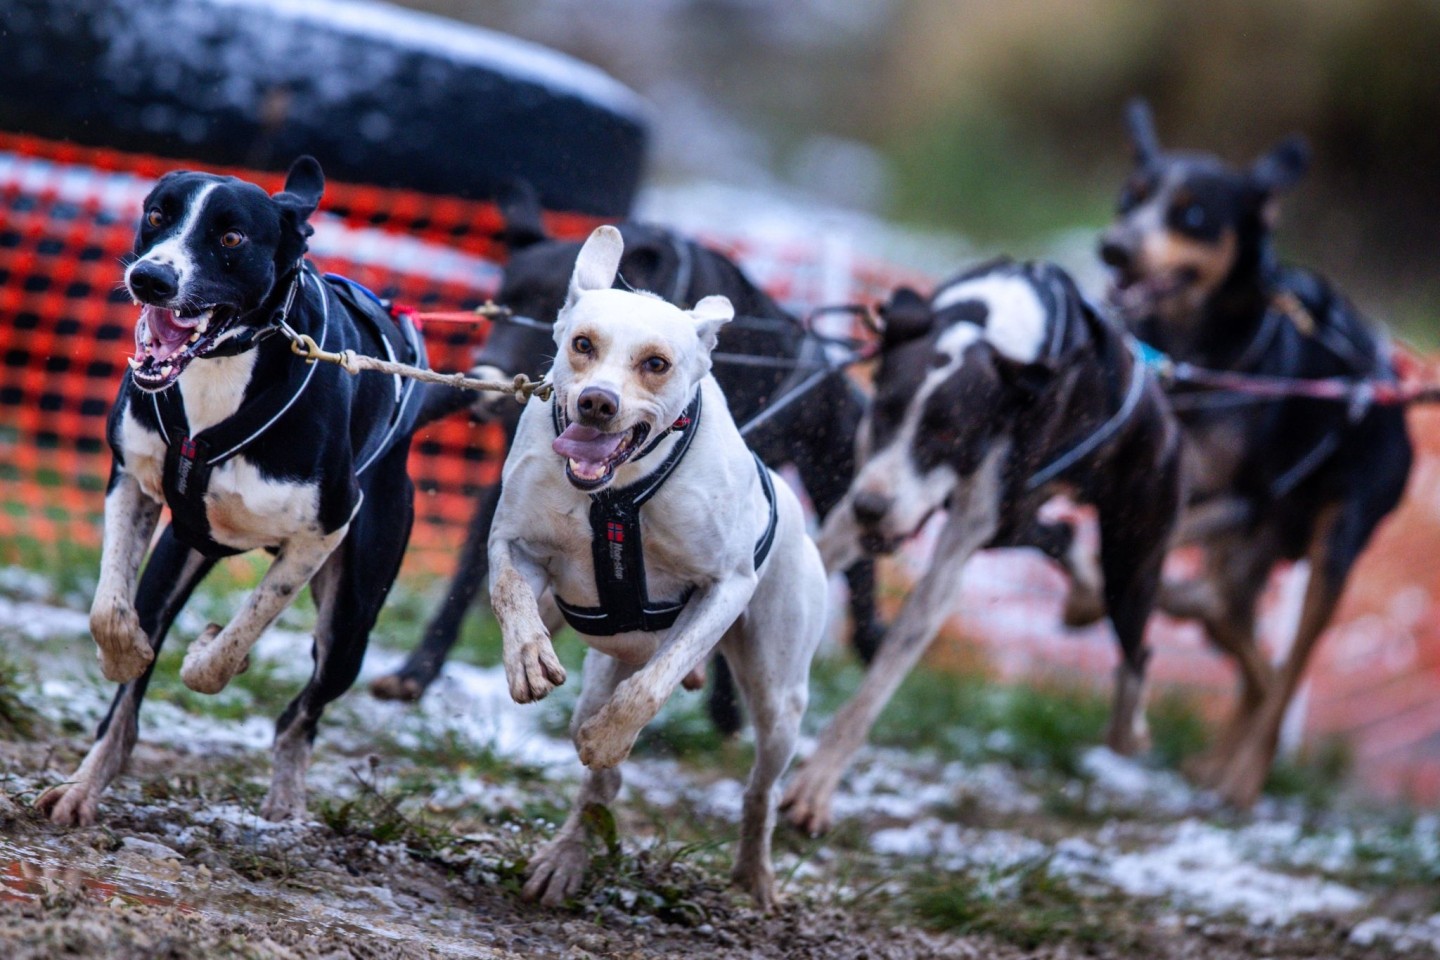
(160, 333)
(586, 445)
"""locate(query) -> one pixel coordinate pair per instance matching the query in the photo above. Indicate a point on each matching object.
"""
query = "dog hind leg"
(774, 678)
(349, 590)
(557, 869)
(169, 578)
(1134, 532)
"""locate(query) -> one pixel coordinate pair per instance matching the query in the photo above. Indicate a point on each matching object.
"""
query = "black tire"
(379, 95)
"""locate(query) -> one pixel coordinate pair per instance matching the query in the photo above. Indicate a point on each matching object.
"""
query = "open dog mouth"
(1134, 294)
(592, 455)
(166, 340)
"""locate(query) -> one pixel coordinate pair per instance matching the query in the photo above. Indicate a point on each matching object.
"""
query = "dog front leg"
(807, 799)
(607, 738)
(130, 519)
(218, 654)
(531, 666)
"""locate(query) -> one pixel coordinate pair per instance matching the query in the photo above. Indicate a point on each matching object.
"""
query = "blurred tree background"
(1003, 120)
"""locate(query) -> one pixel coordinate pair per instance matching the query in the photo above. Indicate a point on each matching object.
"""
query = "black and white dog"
(1195, 275)
(1004, 389)
(250, 447)
(761, 357)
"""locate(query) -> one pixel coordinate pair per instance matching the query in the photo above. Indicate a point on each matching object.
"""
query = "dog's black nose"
(153, 282)
(1115, 254)
(870, 508)
(598, 404)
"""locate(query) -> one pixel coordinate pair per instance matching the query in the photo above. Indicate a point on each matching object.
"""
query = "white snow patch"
(1207, 868)
(1421, 934)
(42, 621)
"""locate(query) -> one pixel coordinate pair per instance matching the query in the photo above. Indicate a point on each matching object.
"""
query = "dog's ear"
(304, 185)
(597, 264)
(1140, 123)
(710, 314)
(1282, 166)
(905, 316)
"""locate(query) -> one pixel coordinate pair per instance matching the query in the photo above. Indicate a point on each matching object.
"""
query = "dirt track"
(421, 817)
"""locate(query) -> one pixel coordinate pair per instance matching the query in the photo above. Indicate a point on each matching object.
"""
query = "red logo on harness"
(614, 532)
(187, 448)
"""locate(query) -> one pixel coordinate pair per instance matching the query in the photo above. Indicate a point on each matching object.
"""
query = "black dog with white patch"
(250, 447)
(1196, 276)
(1002, 390)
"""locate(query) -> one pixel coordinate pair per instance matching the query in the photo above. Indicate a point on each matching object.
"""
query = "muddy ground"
(966, 845)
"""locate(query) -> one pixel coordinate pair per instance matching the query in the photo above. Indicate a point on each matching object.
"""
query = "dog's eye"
(232, 238)
(154, 217)
(656, 365)
(1193, 216)
(582, 345)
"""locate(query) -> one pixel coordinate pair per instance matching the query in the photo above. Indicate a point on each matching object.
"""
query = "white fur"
(700, 531)
(174, 250)
(1018, 320)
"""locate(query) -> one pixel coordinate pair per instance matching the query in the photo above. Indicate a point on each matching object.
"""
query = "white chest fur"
(246, 510)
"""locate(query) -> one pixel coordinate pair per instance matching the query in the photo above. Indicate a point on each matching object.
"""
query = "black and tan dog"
(1006, 388)
(251, 448)
(1195, 275)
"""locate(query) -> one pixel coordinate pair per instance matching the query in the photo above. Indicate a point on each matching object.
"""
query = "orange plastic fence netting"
(67, 217)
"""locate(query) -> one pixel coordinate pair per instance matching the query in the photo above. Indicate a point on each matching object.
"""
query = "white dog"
(637, 421)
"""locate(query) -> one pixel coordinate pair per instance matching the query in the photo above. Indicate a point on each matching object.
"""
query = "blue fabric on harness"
(189, 461)
(619, 555)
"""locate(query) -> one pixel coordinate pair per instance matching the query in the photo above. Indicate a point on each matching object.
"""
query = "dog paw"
(70, 804)
(758, 880)
(124, 650)
(556, 871)
(283, 803)
(533, 671)
(806, 802)
(395, 686)
(210, 663)
(607, 738)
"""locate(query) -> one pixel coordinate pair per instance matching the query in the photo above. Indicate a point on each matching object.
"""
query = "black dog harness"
(618, 551)
(189, 461)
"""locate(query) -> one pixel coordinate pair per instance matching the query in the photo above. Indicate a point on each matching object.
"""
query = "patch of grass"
(374, 812)
(1025, 906)
(18, 721)
(1177, 728)
(1314, 776)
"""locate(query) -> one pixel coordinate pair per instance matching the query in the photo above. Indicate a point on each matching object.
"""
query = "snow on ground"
(1154, 842)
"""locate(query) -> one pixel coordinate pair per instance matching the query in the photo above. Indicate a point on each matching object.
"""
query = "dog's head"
(953, 375)
(208, 253)
(1187, 223)
(627, 363)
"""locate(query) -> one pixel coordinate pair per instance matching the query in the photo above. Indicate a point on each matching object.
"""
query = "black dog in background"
(1195, 275)
(764, 353)
(251, 448)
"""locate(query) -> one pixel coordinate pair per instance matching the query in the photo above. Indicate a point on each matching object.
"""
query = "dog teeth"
(164, 369)
(204, 323)
(134, 364)
(193, 337)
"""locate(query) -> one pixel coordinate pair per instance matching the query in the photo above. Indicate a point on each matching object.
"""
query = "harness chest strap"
(617, 548)
(190, 460)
